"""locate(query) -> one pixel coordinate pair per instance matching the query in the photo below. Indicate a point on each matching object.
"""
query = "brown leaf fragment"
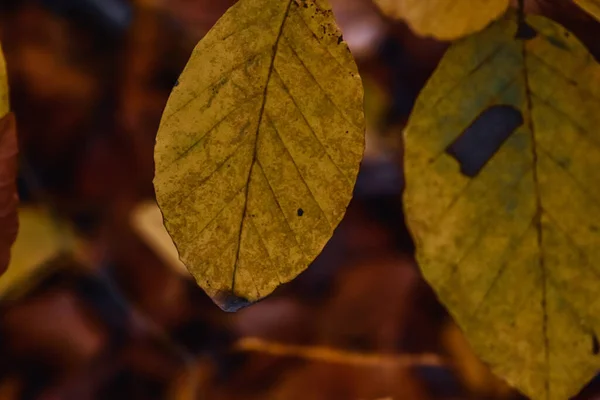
(8, 188)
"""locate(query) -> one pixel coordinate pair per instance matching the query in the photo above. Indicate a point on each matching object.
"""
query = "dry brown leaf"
(8, 188)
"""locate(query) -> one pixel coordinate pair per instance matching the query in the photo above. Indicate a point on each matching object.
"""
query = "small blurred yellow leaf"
(4, 104)
(511, 241)
(40, 238)
(147, 221)
(259, 147)
(444, 19)
(592, 7)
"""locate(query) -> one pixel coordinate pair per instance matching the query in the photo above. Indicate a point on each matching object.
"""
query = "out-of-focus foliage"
(259, 147)
(591, 6)
(444, 19)
(41, 238)
(502, 194)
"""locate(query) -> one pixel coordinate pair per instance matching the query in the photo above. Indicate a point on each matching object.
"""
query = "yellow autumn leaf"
(508, 227)
(4, 105)
(259, 147)
(444, 19)
(592, 7)
(40, 238)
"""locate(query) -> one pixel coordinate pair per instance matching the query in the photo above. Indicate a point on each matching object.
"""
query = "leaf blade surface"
(259, 147)
(510, 250)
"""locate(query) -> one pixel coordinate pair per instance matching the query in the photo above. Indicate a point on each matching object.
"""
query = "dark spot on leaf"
(480, 141)
(595, 344)
(340, 39)
(300, 212)
(229, 302)
(594, 228)
(525, 31)
(567, 34)
(564, 162)
(557, 43)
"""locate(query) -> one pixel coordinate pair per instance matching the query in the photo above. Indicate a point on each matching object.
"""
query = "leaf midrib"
(254, 154)
(538, 218)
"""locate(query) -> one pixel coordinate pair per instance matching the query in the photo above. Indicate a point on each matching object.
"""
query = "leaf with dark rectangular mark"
(480, 141)
(502, 198)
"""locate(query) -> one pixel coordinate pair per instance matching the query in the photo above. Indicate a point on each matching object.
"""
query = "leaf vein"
(262, 243)
(565, 78)
(322, 45)
(464, 79)
(299, 173)
(574, 245)
(187, 151)
(281, 208)
(327, 96)
(581, 130)
(511, 248)
(212, 85)
(286, 89)
(227, 204)
(578, 184)
(184, 196)
(261, 113)
(484, 228)
(538, 217)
